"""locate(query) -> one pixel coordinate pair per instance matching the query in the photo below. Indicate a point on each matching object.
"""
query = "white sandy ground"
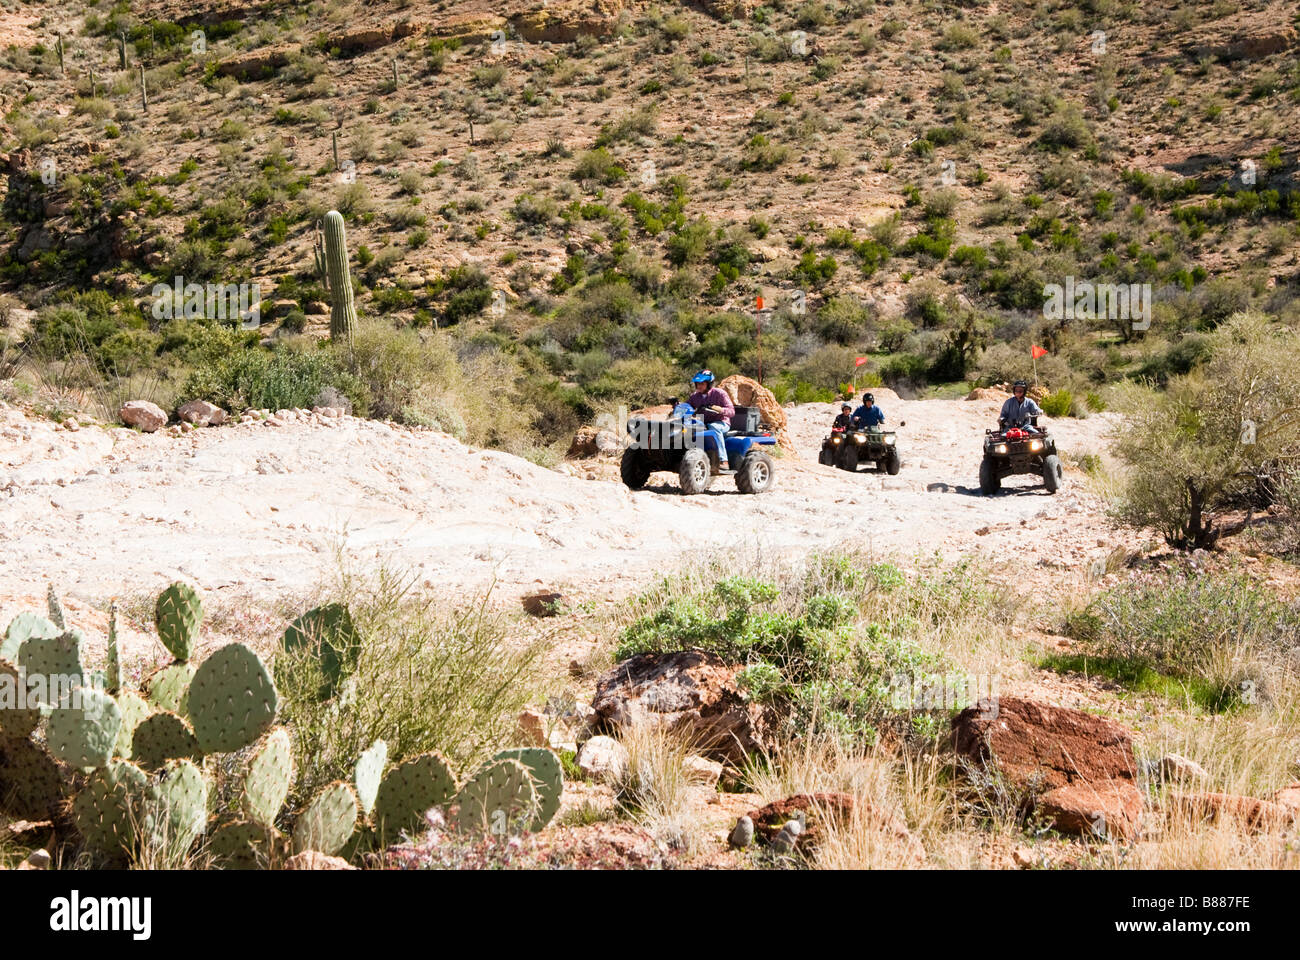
(256, 509)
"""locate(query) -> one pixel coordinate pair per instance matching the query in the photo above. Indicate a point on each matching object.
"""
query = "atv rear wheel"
(695, 472)
(990, 482)
(755, 473)
(849, 459)
(634, 469)
(892, 463)
(1053, 475)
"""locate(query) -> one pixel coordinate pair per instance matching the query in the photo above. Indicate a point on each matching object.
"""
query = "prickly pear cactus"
(499, 801)
(331, 634)
(31, 784)
(168, 688)
(17, 720)
(343, 312)
(267, 778)
(241, 845)
(162, 737)
(409, 791)
(178, 613)
(22, 628)
(180, 794)
(110, 808)
(83, 728)
(328, 822)
(50, 657)
(232, 700)
(548, 780)
(134, 712)
(369, 774)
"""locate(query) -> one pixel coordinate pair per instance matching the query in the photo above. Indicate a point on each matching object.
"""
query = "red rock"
(1110, 809)
(1038, 746)
(1251, 812)
(1289, 796)
(689, 692)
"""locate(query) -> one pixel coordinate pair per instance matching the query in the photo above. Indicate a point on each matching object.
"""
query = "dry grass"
(656, 788)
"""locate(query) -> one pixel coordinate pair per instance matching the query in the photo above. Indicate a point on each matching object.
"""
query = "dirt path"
(257, 509)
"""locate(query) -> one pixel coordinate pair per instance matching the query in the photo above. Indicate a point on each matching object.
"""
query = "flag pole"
(1031, 353)
(758, 329)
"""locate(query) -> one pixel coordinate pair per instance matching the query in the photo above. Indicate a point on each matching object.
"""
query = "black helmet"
(1019, 383)
(868, 398)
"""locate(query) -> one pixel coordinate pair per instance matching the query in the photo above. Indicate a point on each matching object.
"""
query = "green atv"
(848, 448)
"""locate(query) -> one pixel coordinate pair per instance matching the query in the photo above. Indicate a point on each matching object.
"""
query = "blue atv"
(683, 444)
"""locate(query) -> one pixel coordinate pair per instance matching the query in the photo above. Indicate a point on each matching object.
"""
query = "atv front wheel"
(1053, 475)
(849, 459)
(826, 458)
(695, 472)
(634, 469)
(755, 473)
(892, 463)
(990, 482)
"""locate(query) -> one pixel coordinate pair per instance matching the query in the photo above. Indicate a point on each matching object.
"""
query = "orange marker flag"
(859, 361)
(1036, 351)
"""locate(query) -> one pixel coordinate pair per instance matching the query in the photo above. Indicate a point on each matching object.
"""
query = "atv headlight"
(1000, 448)
(859, 438)
(836, 440)
(1035, 445)
(889, 440)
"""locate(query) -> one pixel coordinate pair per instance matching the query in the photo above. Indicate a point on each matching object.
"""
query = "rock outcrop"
(689, 692)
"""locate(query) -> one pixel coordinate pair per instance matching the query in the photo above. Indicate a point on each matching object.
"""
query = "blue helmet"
(704, 376)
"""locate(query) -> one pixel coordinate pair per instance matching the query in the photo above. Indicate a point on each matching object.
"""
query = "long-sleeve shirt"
(842, 422)
(713, 398)
(868, 416)
(1016, 413)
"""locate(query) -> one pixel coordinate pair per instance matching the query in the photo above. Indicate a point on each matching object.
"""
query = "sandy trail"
(257, 509)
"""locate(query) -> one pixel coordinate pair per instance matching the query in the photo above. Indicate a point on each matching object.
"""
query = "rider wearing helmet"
(843, 421)
(868, 415)
(1019, 408)
(712, 404)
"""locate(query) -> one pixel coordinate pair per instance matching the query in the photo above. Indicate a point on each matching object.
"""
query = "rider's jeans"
(720, 428)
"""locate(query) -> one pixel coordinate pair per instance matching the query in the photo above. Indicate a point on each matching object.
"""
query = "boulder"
(742, 834)
(815, 811)
(312, 860)
(544, 604)
(601, 757)
(702, 770)
(1109, 809)
(256, 64)
(1289, 797)
(592, 441)
(201, 413)
(690, 692)
(531, 728)
(142, 414)
(1037, 746)
(1176, 767)
(1249, 812)
(750, 393)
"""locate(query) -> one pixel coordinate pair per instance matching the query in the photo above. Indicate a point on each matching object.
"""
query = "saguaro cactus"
(121, 49)
(144, 93)
(343, 312)
(58, 45)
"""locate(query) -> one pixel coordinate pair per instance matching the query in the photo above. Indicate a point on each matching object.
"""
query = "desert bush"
(429, 677)
(273, 379)
(1188, 458)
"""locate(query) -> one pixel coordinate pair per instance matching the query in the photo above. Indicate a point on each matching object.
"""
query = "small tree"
(1211, 432)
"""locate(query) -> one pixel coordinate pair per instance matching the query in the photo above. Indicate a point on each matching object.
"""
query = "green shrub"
(272, 379)
(1058, 404)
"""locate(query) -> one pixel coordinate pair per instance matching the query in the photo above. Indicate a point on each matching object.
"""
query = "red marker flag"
(859, 361)
(760, 303)
(1036, 351)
